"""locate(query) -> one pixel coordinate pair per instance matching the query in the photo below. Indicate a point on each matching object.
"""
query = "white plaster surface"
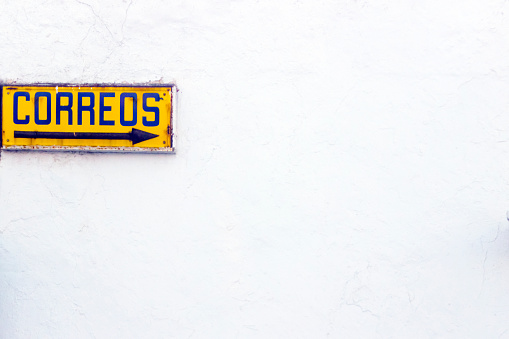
(341, 171)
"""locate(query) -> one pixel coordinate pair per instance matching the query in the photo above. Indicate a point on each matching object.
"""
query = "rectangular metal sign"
(87, 118)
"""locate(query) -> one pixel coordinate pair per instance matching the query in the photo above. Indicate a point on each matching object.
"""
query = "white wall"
(342, 170)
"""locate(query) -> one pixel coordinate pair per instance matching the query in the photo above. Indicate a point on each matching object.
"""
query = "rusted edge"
(1, 118)
(68, 84)
(91, 149)
(174, 91)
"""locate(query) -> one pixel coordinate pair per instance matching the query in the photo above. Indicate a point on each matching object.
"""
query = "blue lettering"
(124, 122)
(65, 108)
(46, 95)
(154, 110)
(27, 117)
(88, 108)
(103, 108)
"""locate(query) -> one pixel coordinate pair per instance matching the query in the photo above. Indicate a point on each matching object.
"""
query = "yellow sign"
(91, 118)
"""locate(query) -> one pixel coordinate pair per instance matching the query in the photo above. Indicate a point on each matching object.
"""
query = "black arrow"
(135, 135)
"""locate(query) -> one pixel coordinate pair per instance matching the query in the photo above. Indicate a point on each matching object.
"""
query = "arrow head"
(139, 136)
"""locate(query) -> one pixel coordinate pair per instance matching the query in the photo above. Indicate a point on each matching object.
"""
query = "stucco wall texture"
(341, 170)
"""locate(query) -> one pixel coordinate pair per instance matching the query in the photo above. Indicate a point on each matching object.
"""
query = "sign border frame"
(95, 149)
